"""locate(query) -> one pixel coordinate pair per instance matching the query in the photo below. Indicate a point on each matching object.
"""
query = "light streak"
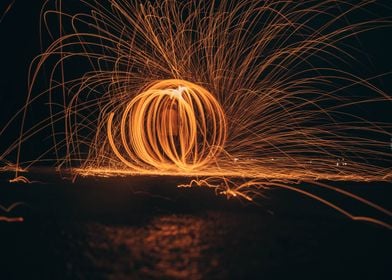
(20, 179)
(7, 10)
(8, 210)
(172, 125)
(211, 91)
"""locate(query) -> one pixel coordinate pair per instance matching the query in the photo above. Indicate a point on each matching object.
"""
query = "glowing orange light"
(211, 89)
(174, 124)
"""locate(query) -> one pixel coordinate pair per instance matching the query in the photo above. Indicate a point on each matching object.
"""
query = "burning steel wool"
(174, 124)
(234, 95)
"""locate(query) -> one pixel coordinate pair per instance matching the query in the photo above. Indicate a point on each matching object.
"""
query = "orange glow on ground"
(202, 90)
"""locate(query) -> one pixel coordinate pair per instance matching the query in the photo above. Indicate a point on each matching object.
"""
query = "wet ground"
(146, 228)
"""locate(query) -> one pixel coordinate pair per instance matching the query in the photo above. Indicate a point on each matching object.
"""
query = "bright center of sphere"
(173, 124)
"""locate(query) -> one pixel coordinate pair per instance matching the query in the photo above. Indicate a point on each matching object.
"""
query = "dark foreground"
(146, 228)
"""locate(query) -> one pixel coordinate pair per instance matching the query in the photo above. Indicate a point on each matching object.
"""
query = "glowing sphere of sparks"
(173, 124)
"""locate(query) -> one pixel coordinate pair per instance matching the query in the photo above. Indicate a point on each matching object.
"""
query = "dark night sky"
(19, 31)
(20, 43)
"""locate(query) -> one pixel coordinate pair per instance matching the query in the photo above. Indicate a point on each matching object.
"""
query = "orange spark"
(219, 90)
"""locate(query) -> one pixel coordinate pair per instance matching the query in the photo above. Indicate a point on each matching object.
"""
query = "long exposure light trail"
(238, 96)
(173, 124)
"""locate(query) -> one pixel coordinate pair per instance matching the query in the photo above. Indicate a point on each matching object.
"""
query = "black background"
(20, 43)
(100, 228)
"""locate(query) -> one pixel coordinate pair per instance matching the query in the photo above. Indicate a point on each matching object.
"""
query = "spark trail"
(236, 95)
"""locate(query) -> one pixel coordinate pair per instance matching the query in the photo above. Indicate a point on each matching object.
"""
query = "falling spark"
(10, 209)
(20, 179)
(9, 7)
(244, 90)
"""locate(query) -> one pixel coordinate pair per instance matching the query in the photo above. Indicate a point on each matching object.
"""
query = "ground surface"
(146, 228)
